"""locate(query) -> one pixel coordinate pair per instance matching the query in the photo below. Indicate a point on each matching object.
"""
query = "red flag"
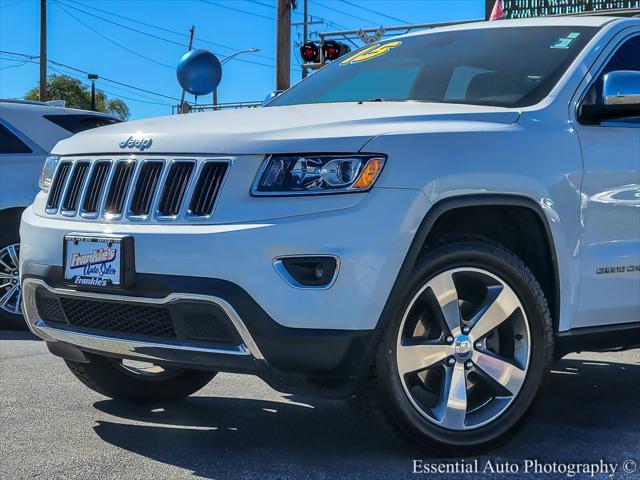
(498, 12)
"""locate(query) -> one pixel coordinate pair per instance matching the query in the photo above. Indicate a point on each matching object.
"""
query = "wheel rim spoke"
(9, 280)
(7, 296)
(452, 409)
(6, 267)
(17, 309)
(413, 358)
(506, 374)
(446, 294)
(502, 302)
(13, 255)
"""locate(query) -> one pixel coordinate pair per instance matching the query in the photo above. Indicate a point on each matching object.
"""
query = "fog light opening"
(308, 271)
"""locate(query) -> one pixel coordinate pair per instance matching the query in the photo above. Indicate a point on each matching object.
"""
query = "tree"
(78, 95)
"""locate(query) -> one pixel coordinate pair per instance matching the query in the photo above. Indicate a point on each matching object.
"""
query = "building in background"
(538, 8)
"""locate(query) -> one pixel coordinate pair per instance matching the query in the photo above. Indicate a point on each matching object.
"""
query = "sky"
(90, 35)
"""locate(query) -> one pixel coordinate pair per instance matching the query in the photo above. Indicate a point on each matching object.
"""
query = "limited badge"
(371, 52)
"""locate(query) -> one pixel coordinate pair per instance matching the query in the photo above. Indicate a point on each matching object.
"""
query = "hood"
(326, 128)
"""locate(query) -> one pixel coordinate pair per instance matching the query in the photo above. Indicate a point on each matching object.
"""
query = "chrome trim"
(286, 276)
(129, 214)
(188, 215)
(139, 160)
(156, 213)
(127, 193)
(127, 347)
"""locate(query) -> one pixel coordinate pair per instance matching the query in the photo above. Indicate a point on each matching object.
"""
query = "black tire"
(108, 377)
(10, 235)
(383, 399)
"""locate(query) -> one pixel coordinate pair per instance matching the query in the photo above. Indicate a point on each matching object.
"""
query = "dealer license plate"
(93, 261)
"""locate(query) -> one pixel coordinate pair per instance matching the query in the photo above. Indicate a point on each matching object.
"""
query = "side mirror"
(620, 99)
(621, 88)
(270, 97)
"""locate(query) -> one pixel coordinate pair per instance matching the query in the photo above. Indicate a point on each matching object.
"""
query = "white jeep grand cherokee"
(421, 227)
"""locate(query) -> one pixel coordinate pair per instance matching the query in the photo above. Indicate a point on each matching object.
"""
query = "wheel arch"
(447, 205)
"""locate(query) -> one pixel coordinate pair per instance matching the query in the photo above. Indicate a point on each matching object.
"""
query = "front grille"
(76, 184)
(119, 317)
(57, 186)
(180, 321)
(95, 188)
(174, 188)
(119, 188)
(137, 188)
(145, 188)
(206, 190)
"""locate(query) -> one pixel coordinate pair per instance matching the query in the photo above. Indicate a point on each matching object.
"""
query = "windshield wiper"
(372, 100)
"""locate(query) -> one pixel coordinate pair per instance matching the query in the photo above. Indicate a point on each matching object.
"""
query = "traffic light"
(332, 50)
(310, 52)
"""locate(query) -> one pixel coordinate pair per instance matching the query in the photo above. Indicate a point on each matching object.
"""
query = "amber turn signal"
(369, 174)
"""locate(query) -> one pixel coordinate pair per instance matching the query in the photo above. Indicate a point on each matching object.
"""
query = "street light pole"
(93, 77)
(225, 60)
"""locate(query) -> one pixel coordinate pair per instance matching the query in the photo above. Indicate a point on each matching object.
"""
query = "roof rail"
(50, 103)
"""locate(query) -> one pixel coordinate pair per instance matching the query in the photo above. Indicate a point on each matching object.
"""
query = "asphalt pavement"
(237, 427)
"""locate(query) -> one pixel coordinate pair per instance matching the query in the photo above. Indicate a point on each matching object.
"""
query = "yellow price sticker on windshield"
(374, 51)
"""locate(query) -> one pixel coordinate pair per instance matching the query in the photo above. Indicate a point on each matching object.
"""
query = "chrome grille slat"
(115, 202)
(142, 189)
(207, 188)
(174, 188)
(58, 186)
(95, 187)
(146, 183)
(75, 188)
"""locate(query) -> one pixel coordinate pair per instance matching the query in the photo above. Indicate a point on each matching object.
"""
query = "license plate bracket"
(98, 261)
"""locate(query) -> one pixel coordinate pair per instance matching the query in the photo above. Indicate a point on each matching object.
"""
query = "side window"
(626, 58)
(80, 123)
(9, 143)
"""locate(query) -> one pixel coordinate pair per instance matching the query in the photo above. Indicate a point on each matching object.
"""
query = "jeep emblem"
(141, 143)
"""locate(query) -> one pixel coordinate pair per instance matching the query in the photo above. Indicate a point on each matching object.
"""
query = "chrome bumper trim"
(133, 348)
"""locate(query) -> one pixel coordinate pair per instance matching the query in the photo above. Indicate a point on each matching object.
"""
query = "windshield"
(508, 67)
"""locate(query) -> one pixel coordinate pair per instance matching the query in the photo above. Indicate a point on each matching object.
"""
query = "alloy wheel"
(463, 348)
(10, 292)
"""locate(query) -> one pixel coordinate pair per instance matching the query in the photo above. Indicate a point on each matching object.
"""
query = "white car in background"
(28, 132)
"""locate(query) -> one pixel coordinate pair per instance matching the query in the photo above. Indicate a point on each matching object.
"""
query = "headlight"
(311, 174)
(48, 170)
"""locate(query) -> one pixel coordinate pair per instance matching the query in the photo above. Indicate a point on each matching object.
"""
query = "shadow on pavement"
(583, 406)
(17, 335)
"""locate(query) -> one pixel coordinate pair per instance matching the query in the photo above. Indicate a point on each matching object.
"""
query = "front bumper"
(371, 240)
(328, 363)
(304, 340)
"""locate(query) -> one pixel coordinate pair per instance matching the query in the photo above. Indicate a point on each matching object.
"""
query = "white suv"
(28, 132)
(421, 226)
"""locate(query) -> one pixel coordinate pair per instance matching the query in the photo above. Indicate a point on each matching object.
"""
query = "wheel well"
(520, 229)
(13, 212)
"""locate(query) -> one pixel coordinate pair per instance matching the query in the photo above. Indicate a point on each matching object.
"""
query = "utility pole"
(93, 77)
(43, 50)
(191, 32)
(283, 45)
(304, 34)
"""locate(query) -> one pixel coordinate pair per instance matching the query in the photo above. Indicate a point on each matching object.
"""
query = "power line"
(20, 63)
(121, 25)
(79, 70)
(168, 30)
(115, 81)
(237, 9)
(374, 11)
(113, 41)
(161, 38)
(346, 14)
(81, 80)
